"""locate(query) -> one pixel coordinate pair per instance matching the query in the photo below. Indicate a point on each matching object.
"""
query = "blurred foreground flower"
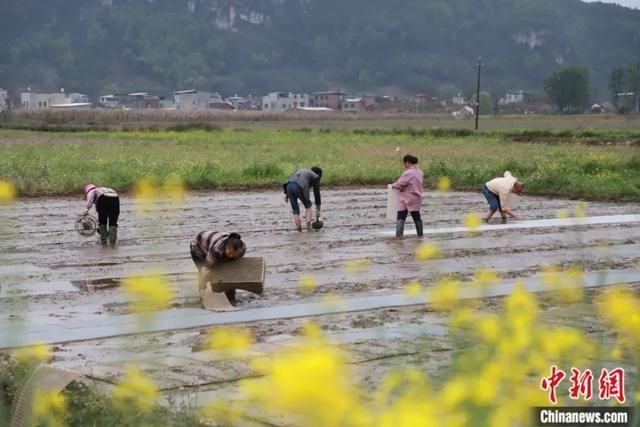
(472, 221)
(148, 293)
(356, 265)
(173, 188)
(413, 289)
(39, 353)
(309, 383)
(7, 191)
(484, 277)
(581, 210)
(145, 193)
(308, 284)
(48, 408)
(443, 296)
(444, 184)
(135, 392)
(232, 341)
(621, 308)
(428, 251)
(562, 214)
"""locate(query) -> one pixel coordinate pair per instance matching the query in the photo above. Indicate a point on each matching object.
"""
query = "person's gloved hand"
(85, 212)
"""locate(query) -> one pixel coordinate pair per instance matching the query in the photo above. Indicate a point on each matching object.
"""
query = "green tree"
(616, 84)
(568, 89)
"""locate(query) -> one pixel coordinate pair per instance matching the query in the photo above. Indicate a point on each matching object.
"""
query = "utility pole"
(478, 93)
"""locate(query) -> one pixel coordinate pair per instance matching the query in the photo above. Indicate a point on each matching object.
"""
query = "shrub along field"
(61, 163)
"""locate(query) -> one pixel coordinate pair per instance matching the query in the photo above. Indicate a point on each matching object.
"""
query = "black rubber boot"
(419, 230)
(113, 235)
(400, 228)
(102, 229)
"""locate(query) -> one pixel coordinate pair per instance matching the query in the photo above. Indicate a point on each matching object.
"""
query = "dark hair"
(410, 159)
(234, 241)
(317, 171)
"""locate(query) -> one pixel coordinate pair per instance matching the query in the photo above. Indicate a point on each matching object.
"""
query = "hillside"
(253, 46)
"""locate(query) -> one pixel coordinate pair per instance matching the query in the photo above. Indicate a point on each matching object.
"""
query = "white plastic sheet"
(392, 203)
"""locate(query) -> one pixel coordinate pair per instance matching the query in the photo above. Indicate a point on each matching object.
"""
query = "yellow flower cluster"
(148, 293)
(48, 407)
(428, 251)
(148, 189)
(567, 286)
(39, 353)
(472, 221)
(136, 392)
(230, 341)
(7, 191)
(357, 265)
(308, 284)
(621, 308)
(444, 184)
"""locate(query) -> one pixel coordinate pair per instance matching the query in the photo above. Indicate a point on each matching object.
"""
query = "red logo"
(610, 384)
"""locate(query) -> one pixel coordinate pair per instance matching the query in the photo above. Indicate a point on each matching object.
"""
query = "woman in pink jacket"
(410, 186)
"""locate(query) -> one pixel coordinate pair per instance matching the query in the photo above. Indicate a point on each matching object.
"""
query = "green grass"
(61, 163)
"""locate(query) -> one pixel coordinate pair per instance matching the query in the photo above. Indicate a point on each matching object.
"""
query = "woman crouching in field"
(108, 207)
(209, 248)
(298, 187)
(410, 186)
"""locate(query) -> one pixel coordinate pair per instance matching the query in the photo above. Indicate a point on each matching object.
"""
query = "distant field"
(98, 119)
(61, 163)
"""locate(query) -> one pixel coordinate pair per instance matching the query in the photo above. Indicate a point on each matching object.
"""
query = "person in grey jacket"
(298, 187)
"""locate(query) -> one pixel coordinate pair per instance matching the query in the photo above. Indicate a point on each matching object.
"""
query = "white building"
(352, 105)
(512, 98)
(31, 100)
(77, 98)
(281, 101)
(459, 99)
(195, 99)
(4, 99)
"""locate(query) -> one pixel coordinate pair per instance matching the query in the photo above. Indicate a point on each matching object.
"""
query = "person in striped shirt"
(108, 207)
(211, 247)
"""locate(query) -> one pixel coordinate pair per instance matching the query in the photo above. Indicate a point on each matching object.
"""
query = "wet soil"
(48, 272)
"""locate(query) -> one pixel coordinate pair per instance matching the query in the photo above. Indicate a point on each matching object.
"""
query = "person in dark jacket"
(298, 187)
(211, 247)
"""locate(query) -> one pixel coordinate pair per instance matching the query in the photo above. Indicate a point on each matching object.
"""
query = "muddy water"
(57, 273)
(50, 275)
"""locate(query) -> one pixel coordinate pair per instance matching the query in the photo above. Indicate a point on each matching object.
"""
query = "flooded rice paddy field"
(51, 275)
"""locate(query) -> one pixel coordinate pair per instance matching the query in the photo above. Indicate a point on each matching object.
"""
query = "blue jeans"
(492, 198)
(294, 192)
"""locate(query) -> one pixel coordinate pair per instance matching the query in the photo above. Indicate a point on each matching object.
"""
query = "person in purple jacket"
(410, 186)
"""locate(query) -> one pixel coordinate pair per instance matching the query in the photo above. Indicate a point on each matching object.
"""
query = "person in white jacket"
(498, 191)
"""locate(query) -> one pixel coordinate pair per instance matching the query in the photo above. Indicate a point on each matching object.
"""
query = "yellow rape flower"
(304, 381)
(462, 317)
(472, 222)
(488, 327)
(428, 251)
(454, 392)
(308, 284)
(173, 187)
(48, 407)
(232, 341)
(484, 277)
(39, 353)
(148, 293)
(562, 214)
(444, 294)
(7, 191)
(444, 184)
(413, 289)
(581, 210)
(357, 265)
(135, 392)
(145, 193)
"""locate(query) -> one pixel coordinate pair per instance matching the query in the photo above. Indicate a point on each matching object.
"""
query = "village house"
(331, 100)
(35, 100)
(281, 101)
(353, 105)
(519, 97)
(459, 99)
(4, 99)
(139, 100)
(195, 99)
